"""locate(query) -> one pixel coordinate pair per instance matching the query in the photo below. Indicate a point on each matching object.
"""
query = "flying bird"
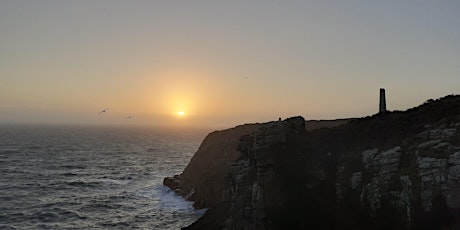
(104, 111)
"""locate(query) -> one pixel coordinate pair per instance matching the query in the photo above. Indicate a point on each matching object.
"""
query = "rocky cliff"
(397, 170)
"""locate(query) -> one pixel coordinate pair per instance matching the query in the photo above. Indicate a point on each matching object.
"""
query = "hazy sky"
(222, 62)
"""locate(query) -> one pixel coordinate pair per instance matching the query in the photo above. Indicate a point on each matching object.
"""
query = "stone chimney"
(383, 104)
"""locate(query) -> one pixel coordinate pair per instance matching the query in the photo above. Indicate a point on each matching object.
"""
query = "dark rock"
(172, 182)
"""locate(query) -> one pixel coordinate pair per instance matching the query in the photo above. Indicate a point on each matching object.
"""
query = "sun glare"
(181, 113)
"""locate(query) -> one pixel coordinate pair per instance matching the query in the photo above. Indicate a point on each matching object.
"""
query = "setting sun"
(181, 113)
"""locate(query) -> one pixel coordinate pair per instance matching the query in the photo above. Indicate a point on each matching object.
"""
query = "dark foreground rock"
(397, 170)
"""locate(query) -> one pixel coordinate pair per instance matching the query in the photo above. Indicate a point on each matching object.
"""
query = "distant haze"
(221, 63)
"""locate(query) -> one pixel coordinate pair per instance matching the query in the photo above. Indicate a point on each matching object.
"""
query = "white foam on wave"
(170, 200)
(167, 200)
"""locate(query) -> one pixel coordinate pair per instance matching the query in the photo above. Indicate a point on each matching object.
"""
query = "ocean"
(63, 177)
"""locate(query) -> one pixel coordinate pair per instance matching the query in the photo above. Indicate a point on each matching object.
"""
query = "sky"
(222, 63)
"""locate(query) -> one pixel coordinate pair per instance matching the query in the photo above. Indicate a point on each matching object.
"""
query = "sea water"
(93, 177)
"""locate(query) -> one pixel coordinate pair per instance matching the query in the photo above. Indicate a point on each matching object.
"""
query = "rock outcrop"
(396, 170)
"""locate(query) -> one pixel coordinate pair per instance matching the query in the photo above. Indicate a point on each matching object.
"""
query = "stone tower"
(383, 104)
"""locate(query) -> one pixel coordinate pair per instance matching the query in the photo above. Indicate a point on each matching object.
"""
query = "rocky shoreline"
(397, 170)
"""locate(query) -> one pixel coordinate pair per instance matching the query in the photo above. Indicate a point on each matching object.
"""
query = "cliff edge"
(397, 170)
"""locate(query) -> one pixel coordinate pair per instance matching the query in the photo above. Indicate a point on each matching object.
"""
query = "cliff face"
(398, 170)
(204, 178)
